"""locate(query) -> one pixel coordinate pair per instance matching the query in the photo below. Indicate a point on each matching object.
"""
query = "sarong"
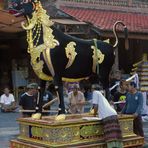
(112, 131)
(138, 126)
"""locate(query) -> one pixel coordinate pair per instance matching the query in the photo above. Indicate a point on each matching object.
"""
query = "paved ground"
(145, 128)
(9, 129)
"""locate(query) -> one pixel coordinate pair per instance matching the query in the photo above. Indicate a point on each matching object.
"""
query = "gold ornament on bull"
(70, 53)
(35, 26)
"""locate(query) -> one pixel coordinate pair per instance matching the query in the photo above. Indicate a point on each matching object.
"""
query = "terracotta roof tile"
(105, 19)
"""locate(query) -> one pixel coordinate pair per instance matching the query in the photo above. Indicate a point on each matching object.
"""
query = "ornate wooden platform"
(73, 132)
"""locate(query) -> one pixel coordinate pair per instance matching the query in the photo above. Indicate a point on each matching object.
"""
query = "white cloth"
(7, 100)
(104, 108)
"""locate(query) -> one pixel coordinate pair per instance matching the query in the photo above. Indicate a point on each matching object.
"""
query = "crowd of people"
(74, 96)
(124, 99)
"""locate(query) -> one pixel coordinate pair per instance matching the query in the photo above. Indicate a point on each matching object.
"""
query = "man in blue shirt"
(133, 106)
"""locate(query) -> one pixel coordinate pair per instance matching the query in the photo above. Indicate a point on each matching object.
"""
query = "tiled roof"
(120, 5)
(137, 23)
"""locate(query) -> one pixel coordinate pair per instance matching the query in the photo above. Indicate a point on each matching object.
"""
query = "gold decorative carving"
(62, 135)
(37, 25)
(24, 130)
(90, 131)
(70, 53)
(36, 132)
(127, 128)
(133, 142)
(73, 131)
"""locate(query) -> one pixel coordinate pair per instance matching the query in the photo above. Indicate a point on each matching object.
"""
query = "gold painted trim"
(63, 124)
(74, 79)
(136, 142)
(129, 135)
(46, 143)
(42, 76)
(47, 57)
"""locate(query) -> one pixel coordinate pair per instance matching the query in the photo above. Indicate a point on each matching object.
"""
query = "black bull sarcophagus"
(57, 56)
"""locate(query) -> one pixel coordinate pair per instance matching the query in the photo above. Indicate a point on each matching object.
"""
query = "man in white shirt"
(111, 127)
(7, 101)
(105, 109)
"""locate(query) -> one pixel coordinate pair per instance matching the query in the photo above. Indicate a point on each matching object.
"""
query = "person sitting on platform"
(7, 101)
(76, 100)
(111, 127)
(28, 100)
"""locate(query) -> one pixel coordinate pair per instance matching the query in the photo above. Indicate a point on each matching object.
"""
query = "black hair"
(133, 84)
(122, 81)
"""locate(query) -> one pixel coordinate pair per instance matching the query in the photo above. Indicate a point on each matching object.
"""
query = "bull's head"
(22, 7)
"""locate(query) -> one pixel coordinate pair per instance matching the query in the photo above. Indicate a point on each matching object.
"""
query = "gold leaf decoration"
(36, 26)
(70, 53)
